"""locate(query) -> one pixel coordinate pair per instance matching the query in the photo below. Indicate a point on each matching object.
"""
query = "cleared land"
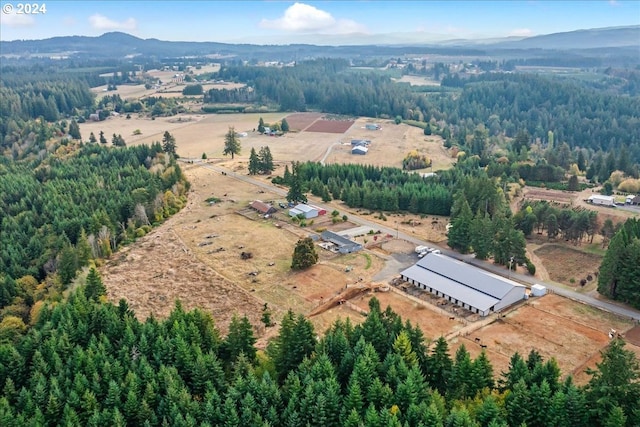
(300, 121)
(570, 332)
(567, 265)
(330, 126)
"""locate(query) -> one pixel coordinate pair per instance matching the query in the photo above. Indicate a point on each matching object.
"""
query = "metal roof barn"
(463, 284)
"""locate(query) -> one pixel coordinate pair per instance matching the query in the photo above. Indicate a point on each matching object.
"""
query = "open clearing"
(330, 126)
(204, 133)
(567, 265)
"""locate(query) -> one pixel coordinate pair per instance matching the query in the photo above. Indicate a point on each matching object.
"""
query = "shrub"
(531, 267)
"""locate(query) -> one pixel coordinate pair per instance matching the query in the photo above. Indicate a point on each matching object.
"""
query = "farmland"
(204, 242)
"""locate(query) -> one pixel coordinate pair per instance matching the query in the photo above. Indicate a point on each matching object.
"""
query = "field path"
(326, 154)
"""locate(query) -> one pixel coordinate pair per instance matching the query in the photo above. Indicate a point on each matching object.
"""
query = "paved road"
(620, 309)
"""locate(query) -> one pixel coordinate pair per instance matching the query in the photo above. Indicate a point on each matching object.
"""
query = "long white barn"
(463, 284)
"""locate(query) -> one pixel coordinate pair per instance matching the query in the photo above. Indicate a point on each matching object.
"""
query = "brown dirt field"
(556, 327)
(330, 126)
(581, 313)
(632, 336)
(300, 121)
(564, 263)
(579, 374)
(199, 133)
(557, 196)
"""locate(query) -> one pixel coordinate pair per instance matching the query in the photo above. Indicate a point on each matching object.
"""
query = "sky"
(283, 22)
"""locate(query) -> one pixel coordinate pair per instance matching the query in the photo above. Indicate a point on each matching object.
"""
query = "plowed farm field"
(330, 126)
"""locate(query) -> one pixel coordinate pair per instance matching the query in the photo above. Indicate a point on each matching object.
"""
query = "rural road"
(612, 307)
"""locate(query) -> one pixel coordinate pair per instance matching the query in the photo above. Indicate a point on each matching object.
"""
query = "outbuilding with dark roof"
(262, 207)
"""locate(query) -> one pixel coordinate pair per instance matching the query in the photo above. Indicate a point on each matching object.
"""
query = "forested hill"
(87, 363)
(578, 115)
(79, 204)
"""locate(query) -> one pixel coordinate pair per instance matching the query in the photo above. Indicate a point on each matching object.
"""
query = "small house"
(372, 126)
(359, 149)
(305, 210)
(262, 207)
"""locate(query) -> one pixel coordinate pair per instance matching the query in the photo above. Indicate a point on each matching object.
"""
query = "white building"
(359, 149)
(599, 199)
(306, 210)
(463, 284)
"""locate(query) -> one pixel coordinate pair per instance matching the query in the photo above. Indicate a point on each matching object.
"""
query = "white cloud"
(303, 18)
(521, 32)
(101, 22)
(15, 21)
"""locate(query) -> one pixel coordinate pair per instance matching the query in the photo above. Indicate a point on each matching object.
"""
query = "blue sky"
(279, 22)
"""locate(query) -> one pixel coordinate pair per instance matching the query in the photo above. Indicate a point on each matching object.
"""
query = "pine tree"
(240, 340)
(94, 287)
(295, 193)
(231, 143)
(440, 366)
(284, 125)
(67, 265)
(261, 125)
(614, 382)
(92, 138)
(304, 254)
(74, 130)
(103, 139)
(265, 160)
(459, 235)
(169, 143)
(254, 163)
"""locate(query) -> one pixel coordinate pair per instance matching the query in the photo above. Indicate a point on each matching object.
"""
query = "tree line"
(86, 362)
(372, 187)
(619, 276)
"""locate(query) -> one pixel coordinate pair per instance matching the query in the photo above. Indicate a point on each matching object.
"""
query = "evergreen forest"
(73, 206)
(90, 363)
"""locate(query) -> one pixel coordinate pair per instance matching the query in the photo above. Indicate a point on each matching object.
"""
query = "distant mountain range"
(116, 44)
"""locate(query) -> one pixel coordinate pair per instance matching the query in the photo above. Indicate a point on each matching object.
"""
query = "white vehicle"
(420, 249)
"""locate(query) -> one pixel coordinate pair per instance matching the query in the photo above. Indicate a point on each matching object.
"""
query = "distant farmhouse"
(372, 126)
(359, 149)
(465, 285)
(262, 207)
(342, 244)
(360, 142)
